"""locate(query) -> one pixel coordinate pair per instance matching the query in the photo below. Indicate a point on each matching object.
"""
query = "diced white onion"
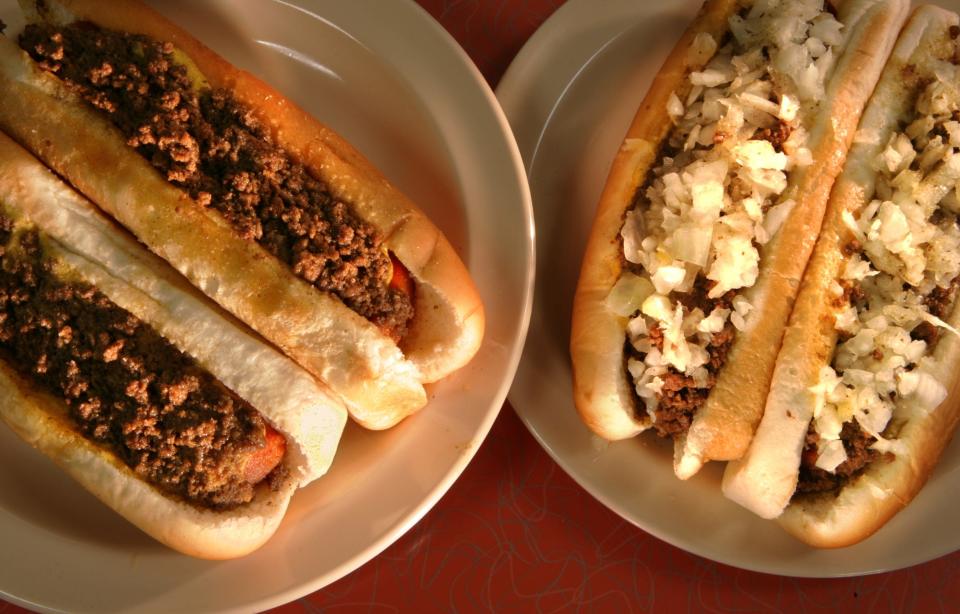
(777, 215)
(929, 392)
(831, 455)
(668, 278)
(701, 49)
(628, 294)
(691, 244)
(674, 107)
(657, 307)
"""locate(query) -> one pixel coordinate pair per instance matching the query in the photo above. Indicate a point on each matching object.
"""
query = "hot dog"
(267, 211)
(709, 214)
(156, 402)
(856, 420)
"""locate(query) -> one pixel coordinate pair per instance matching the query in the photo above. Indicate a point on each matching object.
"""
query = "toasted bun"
(723, 426)
(765, 479)
(84, 243)
(380, 382)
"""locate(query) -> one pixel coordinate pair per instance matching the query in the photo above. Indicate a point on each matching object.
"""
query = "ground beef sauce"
(777, 135)
(126, 387)
(210, 145)
(680, 396)
(856, 443)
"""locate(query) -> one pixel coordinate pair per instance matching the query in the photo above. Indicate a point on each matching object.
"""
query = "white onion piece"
(674, 107)
(691, 244)
(657, 307)
(777, 215)
(929, 393)
(667, 278)
(831, 455)
(633, 235)
(628, 294)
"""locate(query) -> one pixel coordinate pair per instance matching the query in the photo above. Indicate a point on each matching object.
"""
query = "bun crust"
(380, 382)
(723, 426)
(86, 245)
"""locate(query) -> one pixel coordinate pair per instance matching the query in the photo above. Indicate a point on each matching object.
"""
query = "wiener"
(855, 420)
(270, 213)
(708, 216)
(122, 374)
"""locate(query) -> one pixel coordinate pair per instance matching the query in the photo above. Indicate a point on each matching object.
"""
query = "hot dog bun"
(380, 381)
(86, 247)
(765, 479)
(723, 425)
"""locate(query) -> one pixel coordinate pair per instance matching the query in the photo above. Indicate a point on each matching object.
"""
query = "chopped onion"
(633, 235)
(827, 29)
(691, 244)
(637, 327)
(667, 278)
(893, 225)
(850, 222)
(760, 104)
(907, 382)
(759, 154)
(674, 107)
(789, 107)
(857, 269)
(735, 265)
(635, 368)
(828, 423)
(715, 321)
(657, 307)
(701, 49)
(929, 393)
(676, 351)
(710, 78)
(847, 321)
(628, 294)
(777, 215)
(831, 455)
(873, 413)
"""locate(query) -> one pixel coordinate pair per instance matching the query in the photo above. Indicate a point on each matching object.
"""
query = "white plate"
(394, 83)
(570, 95)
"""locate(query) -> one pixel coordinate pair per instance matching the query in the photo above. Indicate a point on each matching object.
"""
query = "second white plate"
(401, 90)
(570, 95)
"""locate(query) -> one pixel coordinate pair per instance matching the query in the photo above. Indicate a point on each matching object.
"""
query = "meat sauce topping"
(856, 444)
(206, 142)
(682, 395)
(126, 387)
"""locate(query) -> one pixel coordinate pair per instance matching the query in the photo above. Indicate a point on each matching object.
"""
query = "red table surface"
(516, 534)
